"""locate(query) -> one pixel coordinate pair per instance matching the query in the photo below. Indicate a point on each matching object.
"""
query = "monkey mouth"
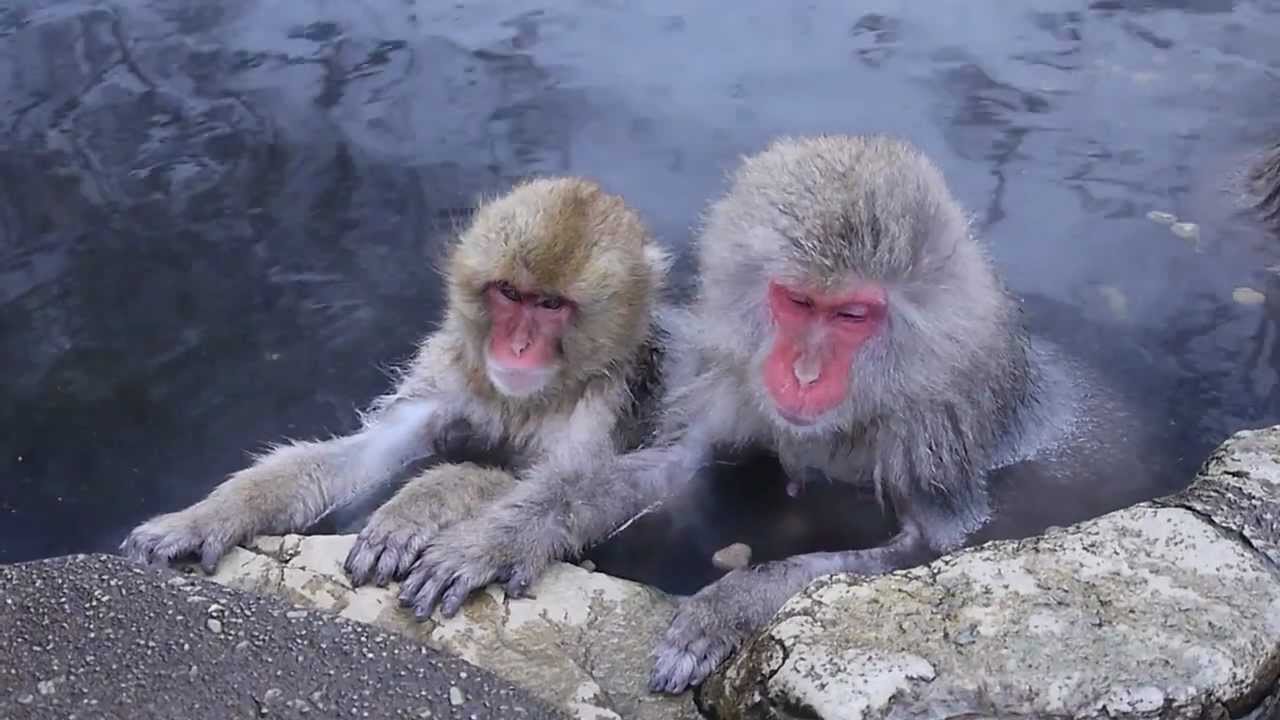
(518, 382)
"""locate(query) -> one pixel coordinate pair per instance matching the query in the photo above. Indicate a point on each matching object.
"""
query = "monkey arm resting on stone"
(399, 530)
(575, 498)
(558, 509)
(716, 621)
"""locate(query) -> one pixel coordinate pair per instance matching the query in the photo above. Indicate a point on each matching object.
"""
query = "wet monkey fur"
(847, 320)
(550, 349)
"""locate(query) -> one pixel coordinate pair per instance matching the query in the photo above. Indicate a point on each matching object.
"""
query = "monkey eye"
(800, 300)
(508, 291)
(551, 303)
(856, 313)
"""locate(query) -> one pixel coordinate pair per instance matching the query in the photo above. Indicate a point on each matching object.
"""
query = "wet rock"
(732, 557)
(1188, 231)
(1168, 609)
(582, 643)
(1248, 296)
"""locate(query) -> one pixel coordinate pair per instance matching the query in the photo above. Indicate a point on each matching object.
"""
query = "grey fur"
(947, 392)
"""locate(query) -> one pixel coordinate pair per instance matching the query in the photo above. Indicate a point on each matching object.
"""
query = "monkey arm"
(291, 486)
(560, 507)
(720, 617)
(398, 531)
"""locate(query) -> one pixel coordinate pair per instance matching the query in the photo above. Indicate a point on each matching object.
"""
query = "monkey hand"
(709, 626)
(468, 556)
(387, 546)
(203, 530)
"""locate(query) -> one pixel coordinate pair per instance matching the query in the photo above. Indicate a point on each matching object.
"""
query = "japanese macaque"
(846, 319)
(550, 350)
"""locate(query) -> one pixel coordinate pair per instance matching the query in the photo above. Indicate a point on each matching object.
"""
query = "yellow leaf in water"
(1186, 230)
(1248, 296)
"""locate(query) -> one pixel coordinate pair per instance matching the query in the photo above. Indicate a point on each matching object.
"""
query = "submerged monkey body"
(550, 348)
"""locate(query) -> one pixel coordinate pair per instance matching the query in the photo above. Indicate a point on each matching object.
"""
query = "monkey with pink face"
(847, 320)
(549, 355)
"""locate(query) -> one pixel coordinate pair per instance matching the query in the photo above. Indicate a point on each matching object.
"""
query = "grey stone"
(732, 557)
(1168, 609)
(94, 636)
(582, 643)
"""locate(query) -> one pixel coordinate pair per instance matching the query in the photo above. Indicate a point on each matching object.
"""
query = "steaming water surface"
(218, 220)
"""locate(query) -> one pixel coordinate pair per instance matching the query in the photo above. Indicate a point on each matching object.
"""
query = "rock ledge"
(1168, 609)
(582, 644)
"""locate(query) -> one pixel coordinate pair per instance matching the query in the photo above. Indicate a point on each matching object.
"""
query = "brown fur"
(561, 236)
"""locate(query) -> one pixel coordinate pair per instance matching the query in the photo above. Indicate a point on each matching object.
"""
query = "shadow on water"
(218, 222)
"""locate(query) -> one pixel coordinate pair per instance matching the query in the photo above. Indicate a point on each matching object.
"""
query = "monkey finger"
(459, 590)
(422, 570)
(412, 584)
(359, 561)
(417, 543)
(429, 596)
(165, 549)
(671, 671)
(135, 548)
(517, 587)
(388, 561)
(210, 552)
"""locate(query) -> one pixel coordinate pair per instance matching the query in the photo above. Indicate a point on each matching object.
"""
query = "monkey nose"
(806, 370)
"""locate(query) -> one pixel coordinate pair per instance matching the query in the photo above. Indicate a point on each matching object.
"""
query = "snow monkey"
(550, 348)
(845, 319)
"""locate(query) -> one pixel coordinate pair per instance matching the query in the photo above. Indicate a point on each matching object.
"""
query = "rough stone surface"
(1169, 609)
(582, 643)
(96, 637)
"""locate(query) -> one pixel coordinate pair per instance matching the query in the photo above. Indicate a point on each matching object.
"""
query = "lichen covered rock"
(582, 643)
(1169, 609)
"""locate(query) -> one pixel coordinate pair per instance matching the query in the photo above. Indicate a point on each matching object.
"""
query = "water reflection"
(218, 222)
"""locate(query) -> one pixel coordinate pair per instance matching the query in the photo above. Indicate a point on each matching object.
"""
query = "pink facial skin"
(526, 327)
(816, 336)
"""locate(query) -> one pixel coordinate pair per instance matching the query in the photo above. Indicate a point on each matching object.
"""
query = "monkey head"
(551, 283)
(844, 279)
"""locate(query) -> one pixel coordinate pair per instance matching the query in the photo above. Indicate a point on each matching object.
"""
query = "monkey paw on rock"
(386, 548)
(198, 530)
(708, 627)
(464, 558)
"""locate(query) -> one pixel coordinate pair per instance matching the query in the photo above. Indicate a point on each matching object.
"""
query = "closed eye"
(800, 300)
(854, 313)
